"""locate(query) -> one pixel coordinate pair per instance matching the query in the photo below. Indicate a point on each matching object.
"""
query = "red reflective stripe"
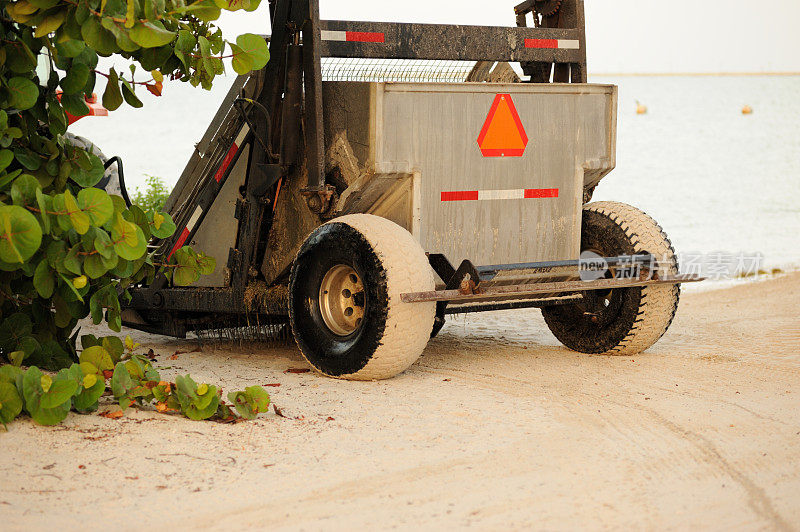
(495, 195)
(541, 43)
(226, 162)
(360, 36)
(468, 195)
(533, 193)
(181, 241)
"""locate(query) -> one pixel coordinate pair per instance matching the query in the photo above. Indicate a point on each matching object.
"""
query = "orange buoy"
(640, 108)
(747, 110)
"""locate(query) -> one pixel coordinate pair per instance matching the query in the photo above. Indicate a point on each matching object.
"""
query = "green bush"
(67, 250)
(154, 195)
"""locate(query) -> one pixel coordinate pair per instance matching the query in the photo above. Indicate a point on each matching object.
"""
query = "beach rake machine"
(375, 178)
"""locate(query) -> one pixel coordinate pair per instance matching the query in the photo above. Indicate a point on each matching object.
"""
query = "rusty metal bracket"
(466, 280)
(320, 200)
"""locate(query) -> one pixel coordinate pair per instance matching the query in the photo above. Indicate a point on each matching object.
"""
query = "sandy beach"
(496, 426)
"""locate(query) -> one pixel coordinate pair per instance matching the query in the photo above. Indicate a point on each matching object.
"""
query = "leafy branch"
(132, 380)
(68, 250)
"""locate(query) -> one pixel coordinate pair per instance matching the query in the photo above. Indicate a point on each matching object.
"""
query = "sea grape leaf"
(58, 395)
(16, 357)
(43, 4)
(194, 406)
(44, 280)
(112, 97)
(256, 48)
(251, 5)
(91, 389)
(89, 174)
(94, 266)
(70, 48)
(96, 204)
(98, 356)
(50, 23)
(23, 191)
(23, 93)
(122, 384)
(42, 204)
(105, 298)
(70, 291)
(113, 345)
(80, 220)
(197, 414)
(20, 234)
(128, 238)
(19, 57)
(9, 373)
(74, 105)
(205, 10)
(98, 38)
(161, 224)
(151, 35)
(130, 96)
(184, 46)
(13, 328)
(252, 401)
(10, 403)
(136, 215)
(6, 179)
(204, 399)
(76, 78)
(205, 264)
(51, 416)
(28, 345)
(103, 245)
(72, 262)
(89, 369)
(242, 62)
(6, 158)
(130, 14)
(186, 389)
(27, 158)
(61, 391)
(187, 270)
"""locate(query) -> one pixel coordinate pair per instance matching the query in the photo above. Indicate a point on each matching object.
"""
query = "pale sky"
(623, 35)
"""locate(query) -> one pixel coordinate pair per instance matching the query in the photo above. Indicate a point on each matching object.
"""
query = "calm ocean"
(717, 180)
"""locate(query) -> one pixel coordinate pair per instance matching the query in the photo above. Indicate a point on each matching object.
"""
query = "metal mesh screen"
(395, 70)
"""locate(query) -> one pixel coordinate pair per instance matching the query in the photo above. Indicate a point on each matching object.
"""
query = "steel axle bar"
(532, 290)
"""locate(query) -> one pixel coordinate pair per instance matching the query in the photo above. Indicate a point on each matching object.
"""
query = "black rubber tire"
(634, 318)
(389, 262)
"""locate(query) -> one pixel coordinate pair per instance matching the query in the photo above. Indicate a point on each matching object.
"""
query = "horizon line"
(693, 74)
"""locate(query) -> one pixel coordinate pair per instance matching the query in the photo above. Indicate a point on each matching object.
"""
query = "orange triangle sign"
(502, 134)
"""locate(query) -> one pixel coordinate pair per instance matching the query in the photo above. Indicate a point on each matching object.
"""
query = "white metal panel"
(504, 209)
(435, 129)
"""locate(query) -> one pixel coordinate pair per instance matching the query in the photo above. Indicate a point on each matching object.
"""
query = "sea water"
(719, 182)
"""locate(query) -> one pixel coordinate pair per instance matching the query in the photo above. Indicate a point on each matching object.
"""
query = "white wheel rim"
(341, 300)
